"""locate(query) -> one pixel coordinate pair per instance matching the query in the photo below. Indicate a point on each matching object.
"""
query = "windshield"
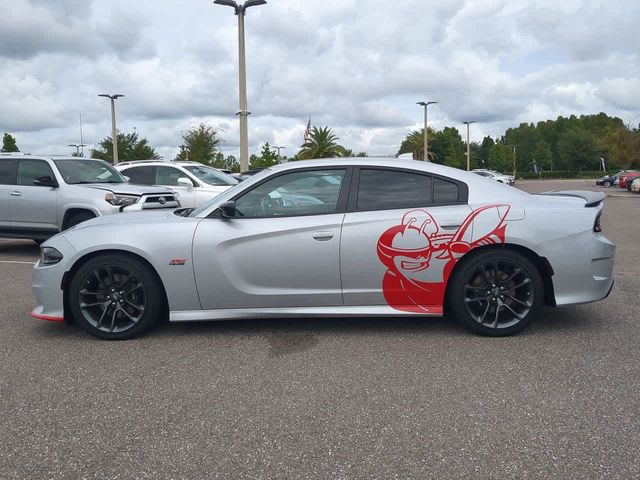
(77, 171)
(211, 175)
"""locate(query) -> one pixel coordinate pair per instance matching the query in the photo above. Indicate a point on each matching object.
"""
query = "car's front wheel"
(606, 184)
(496, 292)
(116, 297)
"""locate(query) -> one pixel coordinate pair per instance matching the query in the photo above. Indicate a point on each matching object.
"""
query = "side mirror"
(227, 209)
(128, 179)
(185, 182)
(45, 181)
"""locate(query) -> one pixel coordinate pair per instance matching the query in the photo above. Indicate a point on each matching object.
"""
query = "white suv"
(497, 176)
(194, 182)
(43, 195)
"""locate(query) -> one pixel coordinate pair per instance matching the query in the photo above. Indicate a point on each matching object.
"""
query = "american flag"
(307, 132)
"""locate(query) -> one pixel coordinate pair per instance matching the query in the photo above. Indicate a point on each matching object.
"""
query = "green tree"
(130, 147)
(501, 158)
(9, 143)
(322, 143)
(228, 163)
(578, 150)
(542, 156)
(484, 151)
(623, 148)
(449, 148)
(200, 143)
(266, 159)
(414, 143)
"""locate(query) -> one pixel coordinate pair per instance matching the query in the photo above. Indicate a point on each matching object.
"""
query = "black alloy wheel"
(115, 297)
(496, 293)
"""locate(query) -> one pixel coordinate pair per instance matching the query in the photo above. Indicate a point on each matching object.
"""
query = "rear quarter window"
(8, 170)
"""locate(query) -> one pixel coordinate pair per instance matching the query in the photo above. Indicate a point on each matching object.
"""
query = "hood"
(127, 188)
(138, 218)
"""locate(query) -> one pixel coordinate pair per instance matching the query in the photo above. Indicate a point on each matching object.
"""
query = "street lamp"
(426, 143)
(514, 159)
(114, 132)
(242, 73)
(468, 150)
(279, 156)
(77, 145)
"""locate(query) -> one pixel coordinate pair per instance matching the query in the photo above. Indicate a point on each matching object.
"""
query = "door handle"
(450, 226)
(16, 194)
(322, 236)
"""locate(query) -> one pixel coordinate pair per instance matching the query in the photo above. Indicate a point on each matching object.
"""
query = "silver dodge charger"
(334, 237)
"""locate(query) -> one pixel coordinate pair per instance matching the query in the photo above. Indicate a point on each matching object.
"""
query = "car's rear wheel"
(606, 184)
(116, 297)
(496, 292)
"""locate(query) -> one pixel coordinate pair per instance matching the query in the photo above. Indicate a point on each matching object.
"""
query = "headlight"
(49, 256)
(121, 200)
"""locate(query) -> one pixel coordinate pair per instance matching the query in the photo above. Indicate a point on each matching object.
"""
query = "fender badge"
(177, 261)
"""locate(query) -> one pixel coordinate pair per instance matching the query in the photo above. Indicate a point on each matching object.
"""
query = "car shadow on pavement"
(27, 248)
(293, 335)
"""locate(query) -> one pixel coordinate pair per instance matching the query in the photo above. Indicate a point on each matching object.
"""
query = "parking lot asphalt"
(328, 399)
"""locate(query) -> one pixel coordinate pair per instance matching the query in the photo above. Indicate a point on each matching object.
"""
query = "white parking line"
(17, 261)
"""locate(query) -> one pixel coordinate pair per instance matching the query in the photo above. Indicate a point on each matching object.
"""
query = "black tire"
(77, 218)
(495, 292)
(606, 184)
(116, 297)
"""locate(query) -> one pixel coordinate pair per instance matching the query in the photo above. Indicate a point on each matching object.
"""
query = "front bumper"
(46, 282)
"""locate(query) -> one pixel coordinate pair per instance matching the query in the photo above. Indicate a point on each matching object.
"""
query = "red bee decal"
(177, 261)
(420, 259)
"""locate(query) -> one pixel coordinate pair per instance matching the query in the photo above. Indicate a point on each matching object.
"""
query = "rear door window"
(381, 189)
(29, 170)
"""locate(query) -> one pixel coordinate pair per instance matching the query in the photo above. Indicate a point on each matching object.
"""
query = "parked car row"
(623, 179)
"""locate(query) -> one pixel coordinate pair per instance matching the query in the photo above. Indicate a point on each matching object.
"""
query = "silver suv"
(41, 195)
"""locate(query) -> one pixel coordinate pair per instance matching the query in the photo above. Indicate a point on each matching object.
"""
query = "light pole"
(279, 156)
(426, 142)
(114, 132)
(514, 159)
(242, 72)
(78, 146)
(468, 150)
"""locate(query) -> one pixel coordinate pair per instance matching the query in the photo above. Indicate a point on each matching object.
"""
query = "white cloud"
(358, 67)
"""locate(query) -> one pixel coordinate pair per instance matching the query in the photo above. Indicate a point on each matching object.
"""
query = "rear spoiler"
(592, 199)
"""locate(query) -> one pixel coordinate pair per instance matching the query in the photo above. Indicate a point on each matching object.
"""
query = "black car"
(607, 181)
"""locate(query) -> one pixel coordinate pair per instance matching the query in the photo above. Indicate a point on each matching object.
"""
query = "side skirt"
(292, 312)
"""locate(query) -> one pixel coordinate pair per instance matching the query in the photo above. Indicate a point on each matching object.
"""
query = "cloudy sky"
(356, 66)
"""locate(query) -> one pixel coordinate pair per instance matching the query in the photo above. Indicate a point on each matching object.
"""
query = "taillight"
(596, 226)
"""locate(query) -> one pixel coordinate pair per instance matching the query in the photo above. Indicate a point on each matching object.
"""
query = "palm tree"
(414, 143)
(322, 143)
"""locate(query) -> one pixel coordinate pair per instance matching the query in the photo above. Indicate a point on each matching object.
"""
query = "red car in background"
(627, 179)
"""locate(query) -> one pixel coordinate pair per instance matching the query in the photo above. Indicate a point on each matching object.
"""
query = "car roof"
(181, 163)
(28, 156)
